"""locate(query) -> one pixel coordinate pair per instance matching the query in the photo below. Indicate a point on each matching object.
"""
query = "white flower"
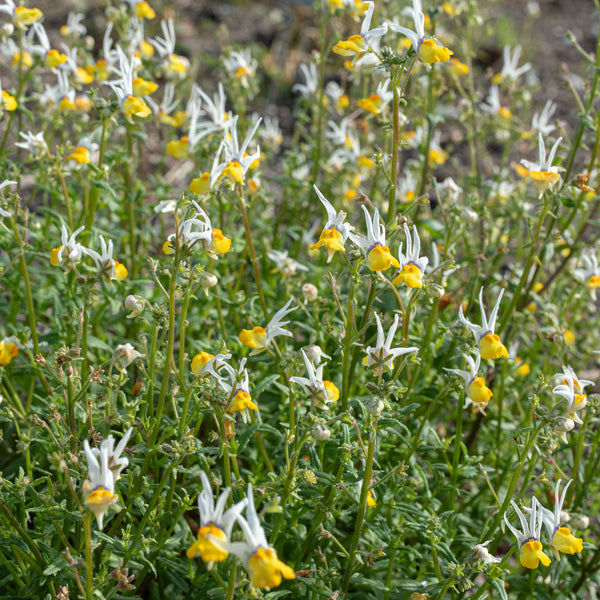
(264, 568)
(33, 143)
(377, 254)
(382, 355)
(284, 264)
(321, 391)
(510, 71)
(311, 81)
(590, 273)
(124, 355)
(529, 538)
(411, 264)
(105, 261)
(477, 393)
(216, 524)
(572, 390)
(259, 338)
(489, 344)
(541, 121)
(104, 468)
(543, 174)
(70, 252)
(241, 65)
(135, 304)
(235, 162)
(480, 552)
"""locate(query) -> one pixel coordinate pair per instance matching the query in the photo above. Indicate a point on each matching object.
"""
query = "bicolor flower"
(104, 468)
(258, 338)
(381, 356)
(241, 65)
(427, 49)
(216, 524)
(173, 64)
(69, 253)
(231, 159)
(375, 103)
(377, 254)
(285, 265)
(490, 346)
(358, 45)
(105, 262)
(205, 363)
(142, 9)
(321, 391)
(335, 233)
(7, 102)
(411, 264)
(540, 122)
(493, 106)
(542, 173)
(572, 390)
(265, 569)
(510, 69)
(238, 386)
(530, 547)
(131, 105)
(561, 538)
(477, 394)
(590, 273)
(198, 228)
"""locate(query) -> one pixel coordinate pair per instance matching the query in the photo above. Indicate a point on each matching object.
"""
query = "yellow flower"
(379, 258)
(355, 44)
(523, 369)
(233, 171)
(332, 239)
(266, 570)
(66, 104)
(199, 362)
(371, 104)
(23, 17)
(8, 351)
(119, 271)
(204, 546)
(220, 244)
(254, 338)
(143, 87)
(241, 401)
(491, 347)
(458, 68)
(371, 501)
(411, 275)
(54, 58)
(27, 59)
(81, 155)
(432, 52)
(200, 185)
(179, 148)
(564, 541)
(133, 106)
(82, 76)
(8, 102)
(532, 554)
(479, 394)
(143, 10)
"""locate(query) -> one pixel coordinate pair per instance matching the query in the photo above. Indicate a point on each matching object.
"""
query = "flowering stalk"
(345, 392)
(89, 549)
(362, 506)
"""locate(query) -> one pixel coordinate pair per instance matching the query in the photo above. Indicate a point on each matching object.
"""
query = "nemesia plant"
(260, 256)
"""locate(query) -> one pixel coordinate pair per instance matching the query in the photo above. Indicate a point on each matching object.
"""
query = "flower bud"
(7, 30)
(565, 426)
(310, 292)
(580, 522)
(207, 281)
(315, 354)
(135, 304)
(374, 406)
(436, 291)
(320, 432)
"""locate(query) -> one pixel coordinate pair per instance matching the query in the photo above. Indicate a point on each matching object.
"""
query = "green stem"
(362, 508)
(89, 549)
